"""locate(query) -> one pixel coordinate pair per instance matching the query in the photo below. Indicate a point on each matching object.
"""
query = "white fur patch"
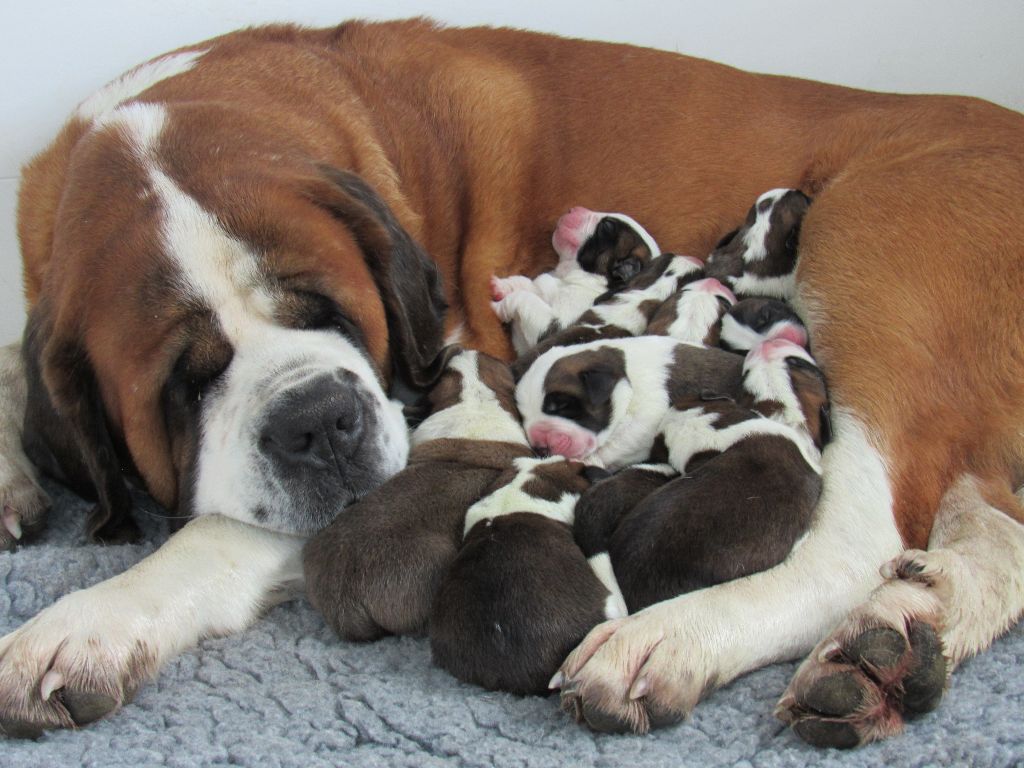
(217, 271)
(477, 416)
(135, 81)
(779, 287)
(755, 237)
(696, 312)
(615, 604)
(510, 498)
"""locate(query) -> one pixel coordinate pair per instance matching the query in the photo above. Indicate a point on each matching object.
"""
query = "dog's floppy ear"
(598, 383)
(408, 280)
(66, 433)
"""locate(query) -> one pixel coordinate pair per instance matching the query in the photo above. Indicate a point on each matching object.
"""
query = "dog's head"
(608, 244)
(225, 326)
(575, 400)
(759, 258)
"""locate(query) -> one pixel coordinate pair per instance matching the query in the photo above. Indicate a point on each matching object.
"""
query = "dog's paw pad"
(862, 688)
(86, 708)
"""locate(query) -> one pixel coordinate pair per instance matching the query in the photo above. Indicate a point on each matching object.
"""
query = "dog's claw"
(12, 521)
(51, 682)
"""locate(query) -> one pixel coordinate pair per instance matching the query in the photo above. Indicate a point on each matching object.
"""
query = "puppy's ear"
(408, 280)
(598, 383)
(811, 391)
(66, 433)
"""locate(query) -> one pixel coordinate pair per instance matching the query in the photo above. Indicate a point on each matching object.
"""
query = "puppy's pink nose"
(791, 333)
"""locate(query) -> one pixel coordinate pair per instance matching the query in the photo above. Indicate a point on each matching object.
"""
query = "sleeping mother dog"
(234, 253)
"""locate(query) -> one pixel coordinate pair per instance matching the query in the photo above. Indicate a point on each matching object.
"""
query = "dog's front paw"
(23, 505)
(634, 674)
(72, 664)
(884, 664)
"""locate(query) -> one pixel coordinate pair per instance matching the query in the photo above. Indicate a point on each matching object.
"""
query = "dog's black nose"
(316, 425)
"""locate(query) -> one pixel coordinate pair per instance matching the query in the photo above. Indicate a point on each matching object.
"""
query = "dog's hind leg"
(23, 503)
(890, 659)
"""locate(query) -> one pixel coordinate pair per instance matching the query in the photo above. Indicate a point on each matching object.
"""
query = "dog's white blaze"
(755, 237)
(221, 273)
(135, 81)
(510, 498)
(477, 416)
(140, 125)
(777, 287)
(615, 604)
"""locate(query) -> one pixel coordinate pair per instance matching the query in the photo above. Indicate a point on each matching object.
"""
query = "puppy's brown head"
(609, 244)
(759, 258)
(220, 313)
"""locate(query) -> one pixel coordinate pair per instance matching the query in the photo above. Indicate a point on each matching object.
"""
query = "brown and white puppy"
(520, 594)
(759, 258)
(694, 314)
(376, 569)
(752, 321)
(598, 254)
(623, 313)
(750, 465)
(125, 273)
(747, 490)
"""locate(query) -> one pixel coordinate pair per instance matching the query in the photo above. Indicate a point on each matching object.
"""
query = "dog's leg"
(84, 656)
(529, 315)
(23, 503)
(889, 660)
(651, 668)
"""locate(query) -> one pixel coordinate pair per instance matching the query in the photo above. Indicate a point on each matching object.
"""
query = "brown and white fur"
(598, 253)
(928, 408)
(759, 258)
(747, 490)
(376, 569)
(520, 594)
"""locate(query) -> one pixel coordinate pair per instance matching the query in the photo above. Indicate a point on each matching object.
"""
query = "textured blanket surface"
(288, 693)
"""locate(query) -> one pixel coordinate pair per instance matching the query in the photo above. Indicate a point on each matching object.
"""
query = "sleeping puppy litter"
(520, 594)
(598, 254)
(376, 568)
(745, 435)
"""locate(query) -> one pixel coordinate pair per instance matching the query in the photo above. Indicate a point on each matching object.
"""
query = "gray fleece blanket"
(288, 693)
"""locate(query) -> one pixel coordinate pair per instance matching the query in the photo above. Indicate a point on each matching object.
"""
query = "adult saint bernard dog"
(234, 252)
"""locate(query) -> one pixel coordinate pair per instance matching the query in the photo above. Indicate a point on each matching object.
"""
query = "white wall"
(55, 53)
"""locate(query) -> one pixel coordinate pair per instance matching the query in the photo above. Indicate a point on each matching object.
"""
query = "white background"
(56, 52)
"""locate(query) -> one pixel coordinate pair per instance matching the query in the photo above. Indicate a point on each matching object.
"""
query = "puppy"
(625, 313)
(750, 455)
(751, 321)
(598, 253)
(520, 595)
(376, 568)
(694, 314)
(748, 491)
(759, 258)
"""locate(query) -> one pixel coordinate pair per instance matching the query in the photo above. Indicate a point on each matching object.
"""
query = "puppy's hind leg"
(890, 659)
(23, 503)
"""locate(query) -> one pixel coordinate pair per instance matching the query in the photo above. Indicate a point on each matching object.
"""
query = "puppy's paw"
(74, 663)
(883, 665)
(501, 287)
(634, 674)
